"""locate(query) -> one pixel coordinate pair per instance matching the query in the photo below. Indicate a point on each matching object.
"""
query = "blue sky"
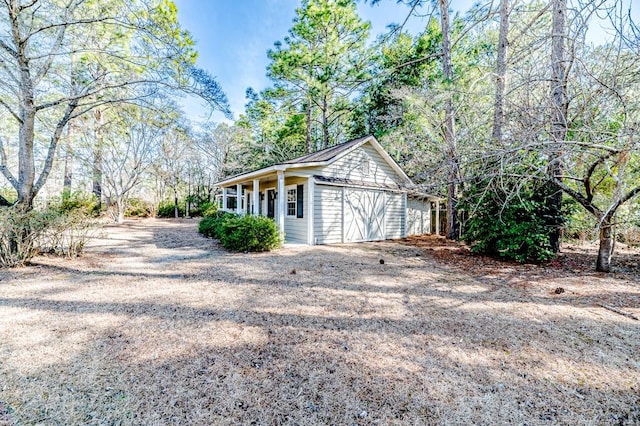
(233, 37)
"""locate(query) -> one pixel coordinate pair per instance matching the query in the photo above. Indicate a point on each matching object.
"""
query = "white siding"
(295, 228)
(418, 216)
(327, 219)
(394, 212)
(351, 167)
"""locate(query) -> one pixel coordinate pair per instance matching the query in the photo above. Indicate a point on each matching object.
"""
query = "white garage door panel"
(418, 216)
(394, 215)
(327, 217)
(363, 215)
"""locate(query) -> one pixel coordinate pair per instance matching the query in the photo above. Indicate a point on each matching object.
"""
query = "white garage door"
(364, 215)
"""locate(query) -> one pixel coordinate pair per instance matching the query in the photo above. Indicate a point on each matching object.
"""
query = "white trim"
(342, 215)
(239, 198)
(280, 201)
(287, 188)
(256, 197)
(356, 186)
(224, 199)
(406, 211)
(310, 201)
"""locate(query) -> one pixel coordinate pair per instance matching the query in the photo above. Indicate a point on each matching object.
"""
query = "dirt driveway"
(157, 325)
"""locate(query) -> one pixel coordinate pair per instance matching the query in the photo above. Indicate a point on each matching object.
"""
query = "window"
(292, 198)
(365, 167)
(295, 201)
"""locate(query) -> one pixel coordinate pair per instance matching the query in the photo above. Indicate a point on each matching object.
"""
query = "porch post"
(224, 199)
(239, 198)
(310, 202)
(438, 217)
(281, 200)
(256, 197)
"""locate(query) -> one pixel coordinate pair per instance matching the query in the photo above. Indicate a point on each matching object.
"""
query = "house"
(350, 192)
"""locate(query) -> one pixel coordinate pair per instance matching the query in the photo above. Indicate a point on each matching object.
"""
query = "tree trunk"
(308, 130)
(453, 226)
(120, 210)
(176, 212)
(68, 165)
(68, 174)
(559, 108)
(603, 263)
(97, 157)
(501, 73)
(325, 123)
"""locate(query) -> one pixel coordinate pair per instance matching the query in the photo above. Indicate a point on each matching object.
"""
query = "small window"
(292, 199)
(365, 167)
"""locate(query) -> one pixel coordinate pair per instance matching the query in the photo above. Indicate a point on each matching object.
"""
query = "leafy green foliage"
(212, 226)
(208, 209)
(509, 227)
(167, 209)
(79, 200)
(242, 233)
(250, 233)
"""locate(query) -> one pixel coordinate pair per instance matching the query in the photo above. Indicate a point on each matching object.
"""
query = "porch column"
(256, 197)
(309, 201)
(281, 200)
(438, 217)
(239, 198)
(224, 199)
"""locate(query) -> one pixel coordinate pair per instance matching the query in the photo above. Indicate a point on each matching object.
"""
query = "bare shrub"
(25, 234)
(67, 234)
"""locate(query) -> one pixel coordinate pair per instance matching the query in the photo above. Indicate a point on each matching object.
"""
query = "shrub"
(25, 234)
(242, 233)
(19, 235)
(207, 227)
(167, 209)
(76, 201)
(250, 233)
(137, 207)
(211, 226)
(208, 209)
(513, 228)
(67, 234)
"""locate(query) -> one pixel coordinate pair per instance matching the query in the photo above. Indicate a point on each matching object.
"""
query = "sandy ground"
(157, 325)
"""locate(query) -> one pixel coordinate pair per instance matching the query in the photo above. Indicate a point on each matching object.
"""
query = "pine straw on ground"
(156, 325)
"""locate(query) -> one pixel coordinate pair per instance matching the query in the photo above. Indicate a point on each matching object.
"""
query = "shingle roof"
(326, 154)
(351, 182)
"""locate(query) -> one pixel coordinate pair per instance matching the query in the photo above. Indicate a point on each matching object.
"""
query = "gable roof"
(322, 158)
(327, 154)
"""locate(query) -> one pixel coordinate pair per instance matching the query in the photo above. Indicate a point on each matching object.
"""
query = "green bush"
(208, 209)
(250, 233)
(512, 228)
(211, 226)
(242, 233)
(207, 227)
(137, 207)
(75, 201)
(167, 209)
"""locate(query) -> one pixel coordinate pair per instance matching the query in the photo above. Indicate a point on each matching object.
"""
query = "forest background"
(513, 111)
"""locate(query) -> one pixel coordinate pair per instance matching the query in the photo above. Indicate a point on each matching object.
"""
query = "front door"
(271, 203)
